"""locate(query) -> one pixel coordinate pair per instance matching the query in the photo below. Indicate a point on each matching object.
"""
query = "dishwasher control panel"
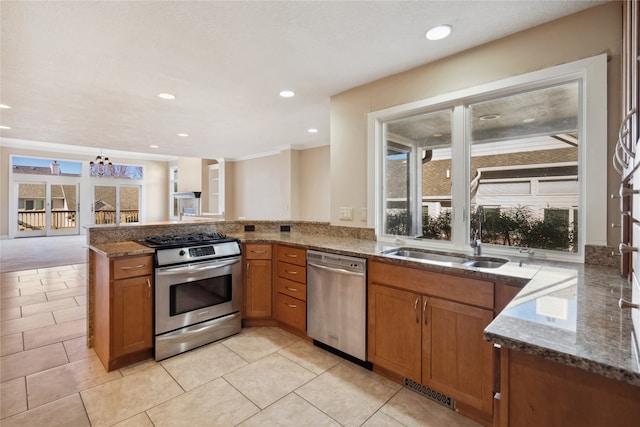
(336, 260)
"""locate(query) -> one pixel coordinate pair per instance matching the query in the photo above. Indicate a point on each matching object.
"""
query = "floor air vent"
(431, 394)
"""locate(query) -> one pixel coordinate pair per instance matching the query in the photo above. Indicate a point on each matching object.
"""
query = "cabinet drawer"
(292, 255)
(132, 267)
(257, 251)
(454, 288)
(291, 311)
(293, 272)
(293, 289)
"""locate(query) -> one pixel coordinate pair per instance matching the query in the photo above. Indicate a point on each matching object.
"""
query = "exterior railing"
(109, 217)
(37, 220)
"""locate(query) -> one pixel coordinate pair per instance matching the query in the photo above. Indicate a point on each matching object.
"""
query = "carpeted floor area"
(28, 253)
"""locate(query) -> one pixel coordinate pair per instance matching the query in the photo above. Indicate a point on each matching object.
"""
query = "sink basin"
(451, 260)
(485, 263)
(427, 256)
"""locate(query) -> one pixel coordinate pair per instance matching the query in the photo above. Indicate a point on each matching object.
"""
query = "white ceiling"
(88, 73)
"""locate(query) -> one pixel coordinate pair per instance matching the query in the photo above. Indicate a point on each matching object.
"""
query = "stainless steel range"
(198, 290)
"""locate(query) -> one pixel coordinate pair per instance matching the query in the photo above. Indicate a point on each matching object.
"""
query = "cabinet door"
(257, 293)
(456, 360)
(394, 330)
(132, 315)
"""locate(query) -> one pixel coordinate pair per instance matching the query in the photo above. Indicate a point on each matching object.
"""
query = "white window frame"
(592, 157)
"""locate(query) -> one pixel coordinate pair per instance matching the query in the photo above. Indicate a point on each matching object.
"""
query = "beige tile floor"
(260, 377)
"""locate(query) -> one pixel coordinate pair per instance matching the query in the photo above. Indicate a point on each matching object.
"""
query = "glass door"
(63, 206)
(129, 203)
(45, 209)
(116, 204)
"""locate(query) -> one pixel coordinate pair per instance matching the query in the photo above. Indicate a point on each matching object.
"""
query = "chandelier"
(101, 165)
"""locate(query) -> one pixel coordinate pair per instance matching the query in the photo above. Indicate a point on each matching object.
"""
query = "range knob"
(182, 252)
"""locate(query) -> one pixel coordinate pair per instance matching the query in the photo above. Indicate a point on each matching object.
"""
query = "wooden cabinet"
(257, 292)
(394, 330)
(123, 316)
(420, 330)
(456, 360)
(291, 287)
(540, 392)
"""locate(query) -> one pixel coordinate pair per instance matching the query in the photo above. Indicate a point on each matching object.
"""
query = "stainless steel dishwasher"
(337, 302)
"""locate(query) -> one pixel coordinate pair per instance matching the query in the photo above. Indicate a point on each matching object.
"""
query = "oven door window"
(190, 296)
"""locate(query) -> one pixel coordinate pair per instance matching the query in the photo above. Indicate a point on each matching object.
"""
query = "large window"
(504, 164)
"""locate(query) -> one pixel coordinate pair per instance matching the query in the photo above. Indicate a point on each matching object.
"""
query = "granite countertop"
(565, 312)
(570, 315)
(118, 249)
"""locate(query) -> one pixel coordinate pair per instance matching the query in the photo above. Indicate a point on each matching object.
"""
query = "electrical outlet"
(346, 214)
(363, 214)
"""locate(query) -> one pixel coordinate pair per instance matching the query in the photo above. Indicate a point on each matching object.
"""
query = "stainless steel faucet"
(476, 240)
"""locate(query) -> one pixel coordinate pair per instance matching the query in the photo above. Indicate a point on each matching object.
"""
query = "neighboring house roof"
(37, 170)
(101, 205)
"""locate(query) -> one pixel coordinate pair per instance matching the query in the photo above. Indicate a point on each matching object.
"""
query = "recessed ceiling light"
(153, 146)
(5, 127)
(529, 120)
(166, 96)
(439, 32)
(312, 130)
(183, 134)
(287, 93)
(4, 106)
(488, 117)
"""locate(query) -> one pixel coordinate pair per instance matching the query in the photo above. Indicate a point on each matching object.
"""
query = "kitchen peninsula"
(564, 317)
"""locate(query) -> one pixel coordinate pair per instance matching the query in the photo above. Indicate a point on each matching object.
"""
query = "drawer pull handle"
(625, 192)
(259, 252)
(415, 310)
(290, 272)
(291, 289)
(291, 255)
(290, 305)
(424, 310)
(625, 248)
(623, 303)
(132, 267)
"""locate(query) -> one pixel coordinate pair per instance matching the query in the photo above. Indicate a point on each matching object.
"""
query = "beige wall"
(315, 194)
(256, 188)
(156, 184)
(190, 174)
(291, 185)
(585, 34)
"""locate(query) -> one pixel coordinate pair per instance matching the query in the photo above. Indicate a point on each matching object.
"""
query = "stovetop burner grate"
(183, 239)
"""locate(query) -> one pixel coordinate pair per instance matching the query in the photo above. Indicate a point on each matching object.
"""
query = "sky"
(65, 166)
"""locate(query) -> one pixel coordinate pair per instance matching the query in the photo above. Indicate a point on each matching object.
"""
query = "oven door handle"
(190, 268)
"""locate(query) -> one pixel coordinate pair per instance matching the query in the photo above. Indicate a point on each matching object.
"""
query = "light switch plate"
(346, 214)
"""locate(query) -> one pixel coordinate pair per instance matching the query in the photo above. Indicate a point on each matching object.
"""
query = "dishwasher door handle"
(337, 270)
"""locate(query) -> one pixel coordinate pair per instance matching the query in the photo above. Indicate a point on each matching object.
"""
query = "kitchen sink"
(452, 260)
(486, 263)
(427, 256)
